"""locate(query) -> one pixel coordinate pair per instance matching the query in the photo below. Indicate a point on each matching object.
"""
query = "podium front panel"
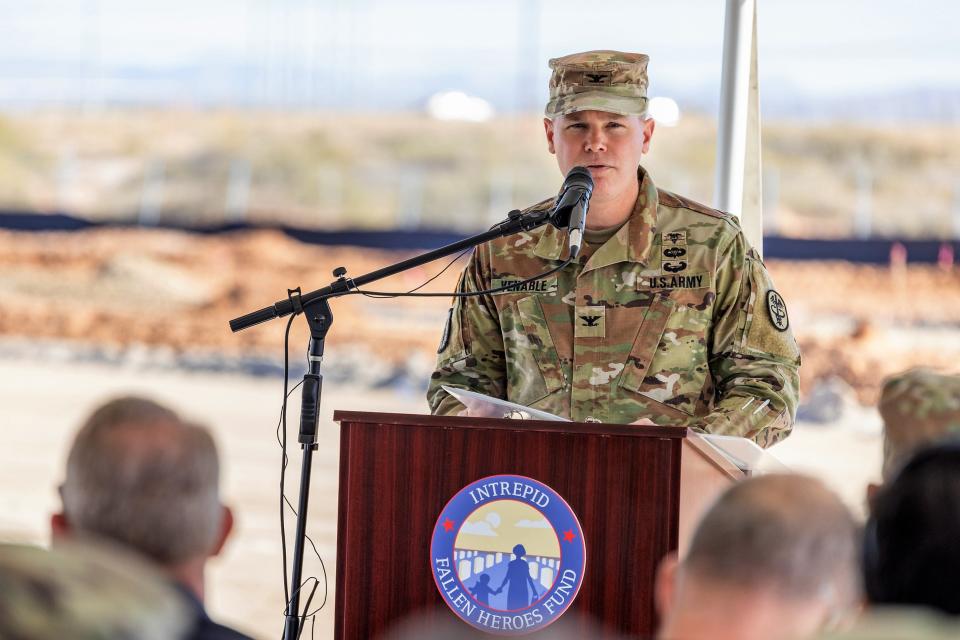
(398, 472)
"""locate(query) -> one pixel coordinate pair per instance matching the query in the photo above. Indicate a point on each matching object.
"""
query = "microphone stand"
(316, 308)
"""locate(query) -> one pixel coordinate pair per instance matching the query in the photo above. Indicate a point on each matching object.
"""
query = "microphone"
(571, 208)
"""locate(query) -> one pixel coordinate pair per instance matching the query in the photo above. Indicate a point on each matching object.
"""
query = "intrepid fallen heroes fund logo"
(508, 555)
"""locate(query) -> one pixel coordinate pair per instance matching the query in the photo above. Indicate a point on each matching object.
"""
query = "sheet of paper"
(744, 453)
(482, 406)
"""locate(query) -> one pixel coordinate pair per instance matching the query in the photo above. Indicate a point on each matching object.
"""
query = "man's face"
(608, 144)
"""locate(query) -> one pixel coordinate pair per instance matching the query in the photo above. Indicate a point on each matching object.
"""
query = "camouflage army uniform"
(918, 406)
(86, 591)
(899, 623)
(673, 319)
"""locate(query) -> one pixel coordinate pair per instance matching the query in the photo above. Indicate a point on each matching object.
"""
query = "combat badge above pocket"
(676, 271)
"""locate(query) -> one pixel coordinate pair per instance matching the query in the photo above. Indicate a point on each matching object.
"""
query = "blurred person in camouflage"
(667, 317)
(911, 563)
(918, 407)
(776, 556)
(139, 475)
(85, 592)
(911, 559)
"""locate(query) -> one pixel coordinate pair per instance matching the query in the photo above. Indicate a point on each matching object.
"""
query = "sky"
(375, 53)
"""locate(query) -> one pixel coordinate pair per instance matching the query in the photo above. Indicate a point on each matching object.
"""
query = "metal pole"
(956, 211)
(238, 190)
(734, 88)
(751, 208)
(292, 615)
(151, 198)
(863, 212)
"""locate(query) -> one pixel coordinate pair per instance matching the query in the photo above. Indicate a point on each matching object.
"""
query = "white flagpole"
(738, 178)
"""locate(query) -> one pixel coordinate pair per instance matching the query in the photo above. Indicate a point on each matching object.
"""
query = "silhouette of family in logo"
(516, 580)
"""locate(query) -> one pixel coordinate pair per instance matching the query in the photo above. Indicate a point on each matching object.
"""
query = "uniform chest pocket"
(534, 344)
(645, 345)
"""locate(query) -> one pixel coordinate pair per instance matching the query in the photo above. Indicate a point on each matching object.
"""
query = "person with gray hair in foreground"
(776, 557)
(139, 475)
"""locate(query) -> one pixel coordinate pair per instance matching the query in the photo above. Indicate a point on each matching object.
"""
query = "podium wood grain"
(397, 473)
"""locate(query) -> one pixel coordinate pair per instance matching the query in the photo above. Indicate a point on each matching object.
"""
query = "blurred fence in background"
(331, 171)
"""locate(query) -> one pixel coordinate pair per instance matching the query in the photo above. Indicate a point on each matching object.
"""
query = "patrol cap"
(918, 406)
(611, 81)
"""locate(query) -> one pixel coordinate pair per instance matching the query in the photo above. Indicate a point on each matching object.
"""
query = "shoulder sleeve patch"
(768, 324)
(777, 309)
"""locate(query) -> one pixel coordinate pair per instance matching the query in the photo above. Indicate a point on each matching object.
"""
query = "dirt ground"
(123, 289)
(149, 298)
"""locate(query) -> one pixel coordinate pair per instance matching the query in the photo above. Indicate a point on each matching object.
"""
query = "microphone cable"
(457, 294)
(281, 433)
(282, 423)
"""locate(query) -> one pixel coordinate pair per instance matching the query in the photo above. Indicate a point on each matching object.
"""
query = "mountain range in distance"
(250, 86)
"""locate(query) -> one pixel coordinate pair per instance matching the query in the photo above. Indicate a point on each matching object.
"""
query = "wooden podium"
(637, 491)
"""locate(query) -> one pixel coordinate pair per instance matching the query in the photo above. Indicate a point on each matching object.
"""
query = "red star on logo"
(568, 536)
(448, 524)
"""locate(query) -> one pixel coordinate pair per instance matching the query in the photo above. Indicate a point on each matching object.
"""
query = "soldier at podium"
(667, 317)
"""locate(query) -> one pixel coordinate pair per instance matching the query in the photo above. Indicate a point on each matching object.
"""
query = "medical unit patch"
(508, 555)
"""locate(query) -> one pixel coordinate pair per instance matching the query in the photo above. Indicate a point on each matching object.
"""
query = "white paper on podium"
(743, 453)
(746, 454)
(482, 406)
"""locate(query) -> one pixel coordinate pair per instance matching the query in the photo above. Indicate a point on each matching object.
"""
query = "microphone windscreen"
(579, 177)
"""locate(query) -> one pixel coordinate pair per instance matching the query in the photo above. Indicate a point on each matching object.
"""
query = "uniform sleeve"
(754, 358)
(471, 352)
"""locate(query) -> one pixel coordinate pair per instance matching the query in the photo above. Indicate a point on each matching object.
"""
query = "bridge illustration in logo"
(497, 544)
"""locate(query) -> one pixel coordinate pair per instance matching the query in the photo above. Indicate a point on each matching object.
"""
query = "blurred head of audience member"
(85, 592)
(775, 557)
(139, 475)
(912, 539)
(918, 407)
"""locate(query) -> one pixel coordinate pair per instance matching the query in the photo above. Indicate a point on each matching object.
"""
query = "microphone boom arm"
(514, 223)
(315, 306)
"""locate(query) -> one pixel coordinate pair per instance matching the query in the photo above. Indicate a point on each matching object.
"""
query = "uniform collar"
(190, 598)
(631, 243)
